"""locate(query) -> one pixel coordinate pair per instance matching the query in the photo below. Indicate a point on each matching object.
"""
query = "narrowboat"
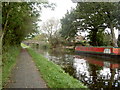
(104, 51)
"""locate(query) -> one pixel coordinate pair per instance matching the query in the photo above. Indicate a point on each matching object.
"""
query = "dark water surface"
(95, 72)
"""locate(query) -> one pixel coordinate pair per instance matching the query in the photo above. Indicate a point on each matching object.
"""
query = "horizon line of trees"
(93, 17)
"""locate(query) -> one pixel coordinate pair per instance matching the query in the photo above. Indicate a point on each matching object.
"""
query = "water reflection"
(96, 73)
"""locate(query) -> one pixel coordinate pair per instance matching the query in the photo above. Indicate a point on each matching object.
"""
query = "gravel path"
(25, 73)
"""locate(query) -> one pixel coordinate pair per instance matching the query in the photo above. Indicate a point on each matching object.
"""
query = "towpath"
(25, 73)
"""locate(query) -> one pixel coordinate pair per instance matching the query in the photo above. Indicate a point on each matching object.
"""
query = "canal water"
(95, 72)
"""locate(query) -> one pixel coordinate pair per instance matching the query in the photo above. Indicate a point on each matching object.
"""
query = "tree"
(118, 17)
(100, 15)
(19, 20)
(84, 17)
(68, 28)
(50, 28)
(0, 14)
(94, 18)
(118, 39)
(112, 20)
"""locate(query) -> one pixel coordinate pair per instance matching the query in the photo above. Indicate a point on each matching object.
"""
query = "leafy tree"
(111, 19)
(100, 15)
(0, 13)
(20, 20)
(93, 17)
(118, 17)
(69, 29)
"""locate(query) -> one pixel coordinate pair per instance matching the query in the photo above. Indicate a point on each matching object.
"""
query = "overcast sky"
(61, 8)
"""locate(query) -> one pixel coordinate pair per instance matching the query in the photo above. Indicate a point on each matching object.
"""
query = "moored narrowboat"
(107, 51)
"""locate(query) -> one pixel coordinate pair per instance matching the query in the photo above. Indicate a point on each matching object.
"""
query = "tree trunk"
(94, 37)
(118, 41)
(114, 41)
(111, 78)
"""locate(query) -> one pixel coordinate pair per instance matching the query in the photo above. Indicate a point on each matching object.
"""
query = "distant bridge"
(33, 42)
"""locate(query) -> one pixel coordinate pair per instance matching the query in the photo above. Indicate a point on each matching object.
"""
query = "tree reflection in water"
(95, 76)
(96, 73)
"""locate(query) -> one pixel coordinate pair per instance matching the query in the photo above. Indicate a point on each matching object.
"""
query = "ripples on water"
(96, 73)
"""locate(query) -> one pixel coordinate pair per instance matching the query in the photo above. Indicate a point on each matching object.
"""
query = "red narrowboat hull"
(107, 51)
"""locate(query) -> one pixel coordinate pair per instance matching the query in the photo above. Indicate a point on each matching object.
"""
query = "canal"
(95, 72)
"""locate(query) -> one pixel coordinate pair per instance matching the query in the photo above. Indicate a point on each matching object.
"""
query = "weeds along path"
(25, 73)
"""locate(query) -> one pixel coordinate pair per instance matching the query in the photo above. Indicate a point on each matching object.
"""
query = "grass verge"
(53, 74)
(9, 60)
(0, 72)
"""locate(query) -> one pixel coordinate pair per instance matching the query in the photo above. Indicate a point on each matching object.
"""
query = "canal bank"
(53, 74)
(95, 72)
(25, 74)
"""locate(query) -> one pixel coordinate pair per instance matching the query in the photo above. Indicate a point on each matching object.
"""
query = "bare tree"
(51, 28)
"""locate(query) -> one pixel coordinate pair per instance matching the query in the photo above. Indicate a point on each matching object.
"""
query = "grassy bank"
(0, 72)
(0, 60)
(53, 74)
(9, 60)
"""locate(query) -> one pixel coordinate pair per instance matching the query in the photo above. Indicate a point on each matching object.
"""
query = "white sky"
(61, 8)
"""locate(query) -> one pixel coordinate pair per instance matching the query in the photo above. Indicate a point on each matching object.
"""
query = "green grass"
(9, 60)
(24, 46)
(0, 72)
(53, 74)
(0, 60)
